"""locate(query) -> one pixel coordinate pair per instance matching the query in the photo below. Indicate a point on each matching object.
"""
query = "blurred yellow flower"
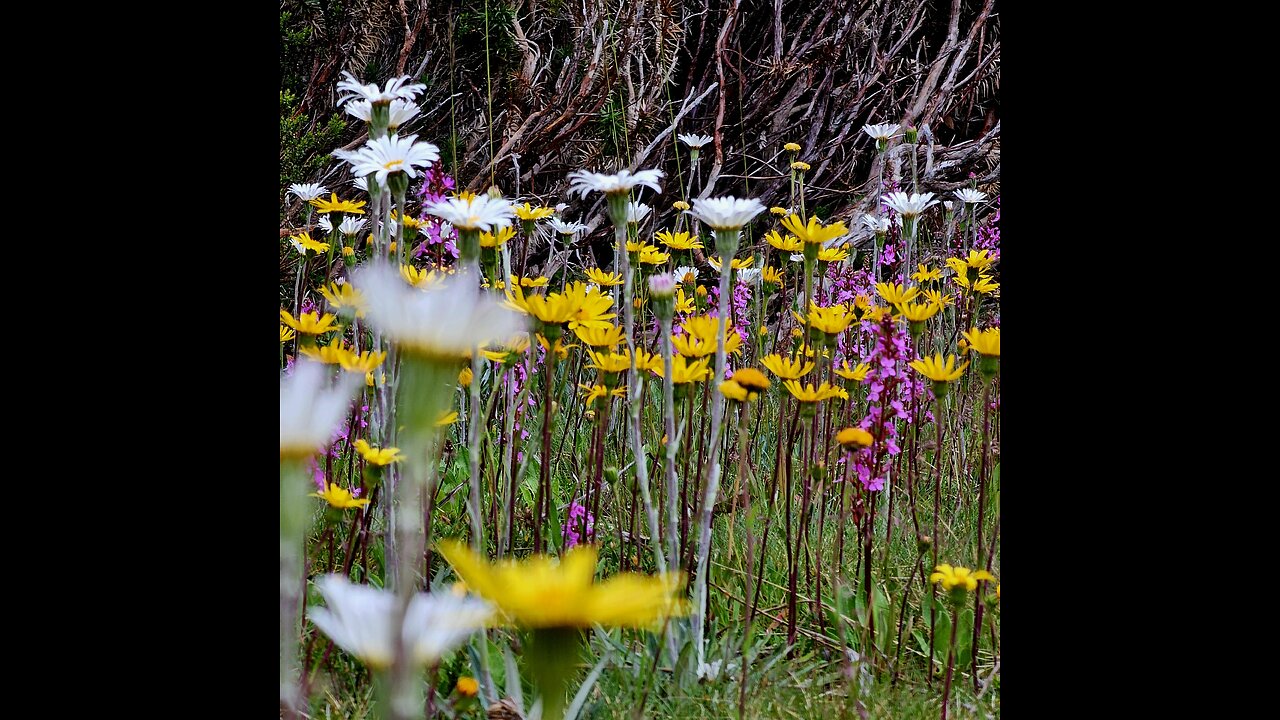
(375, 456)
(958, 577)
(854, 438)
(807, 393)
(602, 278)
(309, 323)
(339, 497)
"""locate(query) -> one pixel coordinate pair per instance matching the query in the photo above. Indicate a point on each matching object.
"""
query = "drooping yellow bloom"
(543, 593)
(679, 241)
(375, 456)
(807, 393)
(591, 392)
(610, 362)
(751, 379)
(467, 686)
(918, 312)
(528, 212)
(985, 342)
(786, 369)
(734, 264)
(833, 254)
(332, 354)
(791, 147)
(333, 204)
(650, 255)
(365, 362)
(854, 438)
(937, 298)
(465, 377)
(680, 205)
(530, 282)
(409, 221)
(814, 232)
(609, 336)
(771, 275)
(552, 308)
(561, 350)
(958, 577)
(736, 392)
(706, 329)
(490, 240)
(684, 304)
(604, 279)
(924, 274)
(448, 418)
(635, 246)
(286, 334)
(693, 346)
(339, 497)
(647, 360)
(306, 243)
(894, 293)
(830, 320)
(309, 323)
(938, 370)
(856, 374)
(984, 284)
(421, 279)
(344, 296)
(977, 259)
(683, 371)
(801, 166)
(593, 310)
(779, 211)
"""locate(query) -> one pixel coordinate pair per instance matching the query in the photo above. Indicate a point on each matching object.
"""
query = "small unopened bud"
(912, 134)
(924, 542)
(494, 192)
(662, 287)
(611, 475)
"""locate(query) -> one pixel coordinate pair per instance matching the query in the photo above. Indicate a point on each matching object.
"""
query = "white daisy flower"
(306, 192)
(481, 212)
(878, 225)
(325, 223)
(684, 270)
(971, 197)
(695, 141)
(444, 321)
(396, 88)
(797, 257)
(311, 409)
(881, 132)
(726, 213)
(351, 225)
(750, 276)
(402, 111)
(948, 205)
(637, 212)
(391, 154)
(361, 183)
(566, 228)
(583, 182)
(359, 620)
(910, 205)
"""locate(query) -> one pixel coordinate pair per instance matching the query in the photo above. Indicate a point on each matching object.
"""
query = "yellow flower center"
(393, 165)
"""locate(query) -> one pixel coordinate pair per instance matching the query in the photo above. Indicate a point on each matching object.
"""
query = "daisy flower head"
(877, 225)
(395, 88)
(442, 322)
(582, 182)
(637, 212)
(393, 154)
(882, 132)
(726, 213)
(307, 192)
(909, 206)
(311, 408)
(402, 111)
(476, 212)
(694, 141)
(359, 619)
(970, 196)
(567, 228)
(351, 226)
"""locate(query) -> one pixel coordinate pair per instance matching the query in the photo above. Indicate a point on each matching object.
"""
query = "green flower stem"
(551, 655)
(293, 532)
(618, 214)
(727, 247)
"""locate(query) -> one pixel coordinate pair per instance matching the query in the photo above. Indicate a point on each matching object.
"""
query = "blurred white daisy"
(402, 111)
(878, 225)
(359, 619)
(444, 321)
(396, 88)
(311, 408)
(583, 182)
(726, 213)
(971, 197)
